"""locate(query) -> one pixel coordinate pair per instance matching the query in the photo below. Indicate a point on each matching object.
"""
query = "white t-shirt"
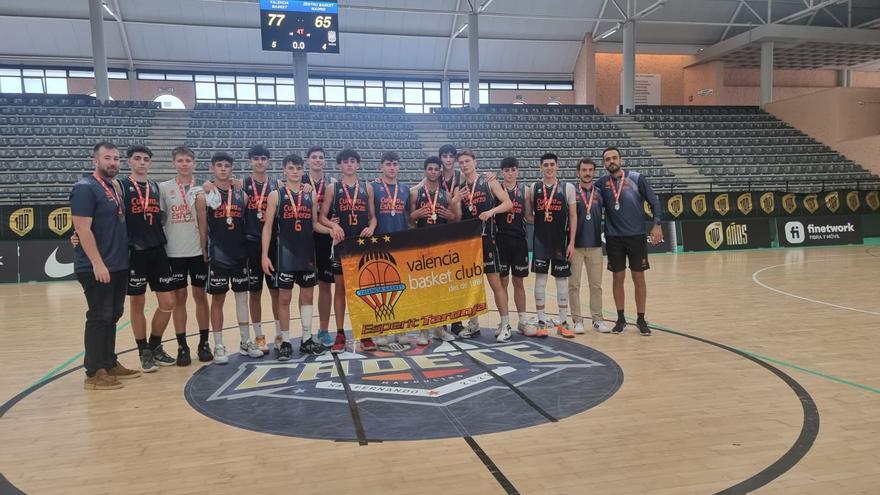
(181, 222)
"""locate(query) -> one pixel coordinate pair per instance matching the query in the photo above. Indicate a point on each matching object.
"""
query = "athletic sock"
(218, 338)
(285, 336)
(563, 314)
(519, 318)
(244, 331)
(541, 315)
(277, 327)
(562, 298)
(505, 320)
(181, 340)
(258, 328)
(305, 312)
(641, 318)
(155, 341)
(203, 336)
(142, 344)
(620, 315)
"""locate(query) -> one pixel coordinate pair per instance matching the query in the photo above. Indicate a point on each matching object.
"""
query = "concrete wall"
(146, 90)
(670, 68)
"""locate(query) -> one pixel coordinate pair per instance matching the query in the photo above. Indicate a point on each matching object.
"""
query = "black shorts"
(150, 265)
(219, 279)
(194, 266)
(255, 265)
(490, 255)
(285, 280)
(323, 263)
(513, 255)
(558, 268)
(633, 248)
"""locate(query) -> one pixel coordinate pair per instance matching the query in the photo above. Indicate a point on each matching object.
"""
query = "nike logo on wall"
(56, 269)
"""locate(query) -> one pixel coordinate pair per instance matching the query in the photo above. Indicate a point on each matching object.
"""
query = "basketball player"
(177, 199)
(351, 200)
(289, 228)
(222, 232)
(483, 198)
(101, 266)
(323, 243)
(391, 204)
(624, 193)
(431, 205)
(513, 248)
(555, 212)
(148, 260)
(450, 178)
(587, 250)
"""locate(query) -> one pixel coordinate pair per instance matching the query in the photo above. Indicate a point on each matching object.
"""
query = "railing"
(705, 184)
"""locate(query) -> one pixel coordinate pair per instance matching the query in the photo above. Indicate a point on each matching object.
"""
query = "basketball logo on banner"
(675, 205)
(722, 204)
(698, 204)
(60, 220)
(714, 234)
(873, 200)
(832, 201)
(811, 202)
(380, 284)
(789, 203)
(768, 202)
(22, 221)
(744, 203)
(852, 200)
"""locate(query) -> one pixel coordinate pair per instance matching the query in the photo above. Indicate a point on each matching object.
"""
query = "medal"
(296, 225)
(188, 217)
(259, 215)
(589, 217)
(434, 217)
(471, 190)
(588, 204)
(112, 195)
(259, 196)
(548, 200)
(229, 207)
(472, 209)
(144, 201)
(617, 191)
(616, 206)
(393, 212)
(352, 216)
(228, 220)
(394, 198)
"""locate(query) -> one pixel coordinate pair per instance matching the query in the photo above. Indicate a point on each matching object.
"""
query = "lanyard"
(298, 204)
(548, 200)
(259, 196)
(433, 202)
(180, 188)
(589, 204)
(616, 191)
(143, 201)
(111, 194)
(229, 205)
(471, 191)
(319, 189)
(394, 199)
(348, 196)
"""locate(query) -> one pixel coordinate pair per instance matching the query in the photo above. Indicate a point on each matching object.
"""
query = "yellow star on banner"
(374, 240)
(360, 242)
(386, 238)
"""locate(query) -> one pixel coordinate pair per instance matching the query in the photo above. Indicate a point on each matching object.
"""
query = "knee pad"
(540, 288)
(562, 291)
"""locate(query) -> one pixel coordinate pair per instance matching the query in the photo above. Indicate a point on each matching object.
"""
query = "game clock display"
(299, 26)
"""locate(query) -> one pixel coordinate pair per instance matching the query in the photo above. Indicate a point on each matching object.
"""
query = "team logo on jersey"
(675, 205)
(872, 199)
(789, 203)
(768, 202)
(60, 220)
(379, 284)
(832, 201)
(722, 204)
(412, 394)
(744, 203)
(22, 221)
(698, 205)
(852, 200)
(811, 202)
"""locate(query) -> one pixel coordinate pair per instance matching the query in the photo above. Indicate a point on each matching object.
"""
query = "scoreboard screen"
(299, 26)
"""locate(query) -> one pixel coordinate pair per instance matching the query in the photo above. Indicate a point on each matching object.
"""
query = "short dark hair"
(390, 156)
(315, 149)
(104, 144)
(549, 156)
(465, 152)
(586, 160)
(221, 156)
(448, 149)
(509, 162)
(347, 153)
(182, 150)
(611, 148)
(292, 158)
(432, 159)
(258, 150)
(138, 148)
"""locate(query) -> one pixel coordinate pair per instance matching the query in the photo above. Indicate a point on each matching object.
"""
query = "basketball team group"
(286, 232)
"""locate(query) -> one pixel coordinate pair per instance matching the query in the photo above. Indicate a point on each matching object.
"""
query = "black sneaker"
(148, 364)
(618, 327)
(183, 358)
(162, 357)
(456, 328)
(310, 347)
(643, 328)
(286, 352)
(204, 352)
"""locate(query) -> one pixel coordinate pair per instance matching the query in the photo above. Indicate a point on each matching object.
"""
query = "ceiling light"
(609, 32)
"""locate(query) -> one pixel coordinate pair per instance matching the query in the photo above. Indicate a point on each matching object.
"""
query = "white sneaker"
(504, 334)
(424, 338)
(601, 327)
(402, 338)
(531, 328)
(579, 328)
(444, 334)
(250, 349)
(521, 327)
(381, 340)
(220, 356)
(472, 329)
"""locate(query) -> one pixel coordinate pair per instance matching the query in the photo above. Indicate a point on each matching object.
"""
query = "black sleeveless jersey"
(482, 200)
(256, 206)
(422, 200)
(293, 228)
(226, 234)
(352, 220)
(142, 218)
(551, 221)
(512, 223)
(450, 185)
(319, 188)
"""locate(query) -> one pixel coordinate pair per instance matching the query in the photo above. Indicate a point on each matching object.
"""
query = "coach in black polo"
(101, 265)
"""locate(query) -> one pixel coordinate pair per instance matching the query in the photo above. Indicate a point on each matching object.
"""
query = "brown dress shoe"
(122, 373)
(101, 381)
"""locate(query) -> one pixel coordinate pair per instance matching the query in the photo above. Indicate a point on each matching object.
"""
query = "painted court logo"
(379, 283)
(438, 391)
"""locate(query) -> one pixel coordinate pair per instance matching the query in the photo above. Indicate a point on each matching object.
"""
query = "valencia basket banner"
(414, 279)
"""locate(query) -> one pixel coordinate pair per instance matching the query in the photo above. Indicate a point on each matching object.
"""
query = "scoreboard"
(299, 26)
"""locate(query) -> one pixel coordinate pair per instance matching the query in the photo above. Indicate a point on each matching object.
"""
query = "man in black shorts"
(513, 248)
(323, 243)
(623, 194)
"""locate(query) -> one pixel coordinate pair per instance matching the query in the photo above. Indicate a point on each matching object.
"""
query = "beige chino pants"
(591, 258)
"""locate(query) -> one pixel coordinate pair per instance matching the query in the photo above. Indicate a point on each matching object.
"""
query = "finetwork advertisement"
(415, 279)
(819, 231)
(719, 235)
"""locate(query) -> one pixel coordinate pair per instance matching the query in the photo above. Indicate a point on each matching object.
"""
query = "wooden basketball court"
(762, 376)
